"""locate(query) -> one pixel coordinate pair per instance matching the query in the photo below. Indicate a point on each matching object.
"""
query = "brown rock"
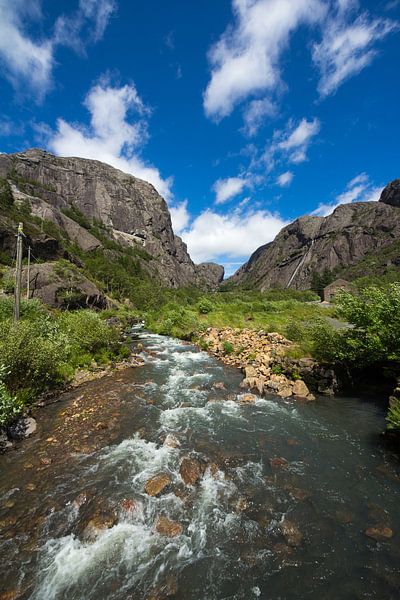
(247, 399)
(99, 522)
(250, 372)
(30, 487)
(167, 527)
(300, 389)
(278, 463)
(291, 533)
(380, 533)
(285, 391)
(46, 461)
(10, 595)
(129, 505)
(190, 470)
(157, 484)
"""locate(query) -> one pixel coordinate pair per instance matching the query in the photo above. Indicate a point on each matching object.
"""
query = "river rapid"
(280, 512)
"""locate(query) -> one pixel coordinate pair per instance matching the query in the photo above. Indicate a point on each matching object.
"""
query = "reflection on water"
(286, 493)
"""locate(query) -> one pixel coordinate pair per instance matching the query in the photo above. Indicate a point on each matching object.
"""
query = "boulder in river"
(167, 527)
(380, 533)
(247, 399)
(191, 470)
(99, 522)
(171, 441)
(300, 389)
(22, 428)
(157, 484)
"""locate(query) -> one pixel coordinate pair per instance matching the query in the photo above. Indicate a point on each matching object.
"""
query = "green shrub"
(88, 337)
(6, 197)
(33, 352)
(393, 415)
(10, 406)
(205, 306)
(227, 347)
(294, 331)
(8, 284)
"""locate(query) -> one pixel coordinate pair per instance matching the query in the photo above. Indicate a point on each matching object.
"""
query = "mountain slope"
(82, 197)
(313, 245)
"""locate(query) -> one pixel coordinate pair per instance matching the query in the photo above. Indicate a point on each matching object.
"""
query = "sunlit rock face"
(311, 245)
(129, 209)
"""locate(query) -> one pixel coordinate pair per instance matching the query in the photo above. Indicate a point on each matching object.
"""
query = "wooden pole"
(28, 274)
(18, 273)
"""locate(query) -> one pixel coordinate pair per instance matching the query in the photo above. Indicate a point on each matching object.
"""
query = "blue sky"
(245, 114)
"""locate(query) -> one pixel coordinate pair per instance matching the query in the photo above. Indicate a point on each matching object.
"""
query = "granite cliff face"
(129, 210)
(311, 245)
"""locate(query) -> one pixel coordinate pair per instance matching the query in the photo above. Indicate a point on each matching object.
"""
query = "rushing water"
(335, 482)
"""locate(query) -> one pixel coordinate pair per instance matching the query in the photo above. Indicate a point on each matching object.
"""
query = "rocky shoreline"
(26, 425)
(266, 367)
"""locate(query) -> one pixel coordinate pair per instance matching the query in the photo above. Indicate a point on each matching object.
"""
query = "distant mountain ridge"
(313, 245)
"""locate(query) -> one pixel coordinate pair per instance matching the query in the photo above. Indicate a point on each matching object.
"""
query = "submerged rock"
(380, 533)
(247, 399)
(191, 470)
(98, 523)
(291, 533)
(157, 484)
(167, 527)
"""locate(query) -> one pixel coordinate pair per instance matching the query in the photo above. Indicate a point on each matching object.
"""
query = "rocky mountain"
(316, 245)
(96, 206)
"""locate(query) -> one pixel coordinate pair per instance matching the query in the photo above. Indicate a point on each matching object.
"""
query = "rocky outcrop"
(266, 368)
(391, 194)
(60, 285)
(209, 275)
(129, 210)
(312, 245)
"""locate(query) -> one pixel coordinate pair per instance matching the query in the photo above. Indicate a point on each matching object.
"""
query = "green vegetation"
(43, 350)
(372, 343)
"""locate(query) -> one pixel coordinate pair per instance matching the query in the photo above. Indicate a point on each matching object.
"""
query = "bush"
(227, 347)
(393, 415)
(205, 306)
(33, 353)
(10, 406)
(294, 331)
(375, 336)
(6, 197)
(88, 337)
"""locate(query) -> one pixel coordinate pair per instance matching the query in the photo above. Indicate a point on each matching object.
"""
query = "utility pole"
(28, 274)
(18, 273)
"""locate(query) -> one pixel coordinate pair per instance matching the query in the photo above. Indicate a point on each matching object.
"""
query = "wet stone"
(10, 595)
(278, 462)
(171, 441)
(380, 533)
(291, 533)
(167, 527)
(190, 470)
(99, 522)
(247, 399)
(129, 505)
(157, 484)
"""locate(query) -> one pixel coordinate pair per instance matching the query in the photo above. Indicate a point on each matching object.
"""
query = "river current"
(280, 512)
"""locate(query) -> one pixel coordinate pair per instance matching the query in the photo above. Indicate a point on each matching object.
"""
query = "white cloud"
(245, 60)
(27, 62)
(234, 235)
(111, 137)
(347, 46)
(225, 189)
(255, 114)
(292, 143)
(180, 217)
(359, 189)
(285, 179)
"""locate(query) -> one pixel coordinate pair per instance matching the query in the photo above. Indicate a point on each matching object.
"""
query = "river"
(287, 492)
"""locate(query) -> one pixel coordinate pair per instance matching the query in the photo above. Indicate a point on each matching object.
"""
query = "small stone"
(30, 487)
(168, 528)
(242, 504)
(380, 533)
(250, 372)
(171, 441)
(291, 533)
(9, 504)
(10, 595)
(278, 463)
(45, 461)
(129, 505)
(101, 425)
(247, 399)
(190, 470)
(219, 385)
(157, 484)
